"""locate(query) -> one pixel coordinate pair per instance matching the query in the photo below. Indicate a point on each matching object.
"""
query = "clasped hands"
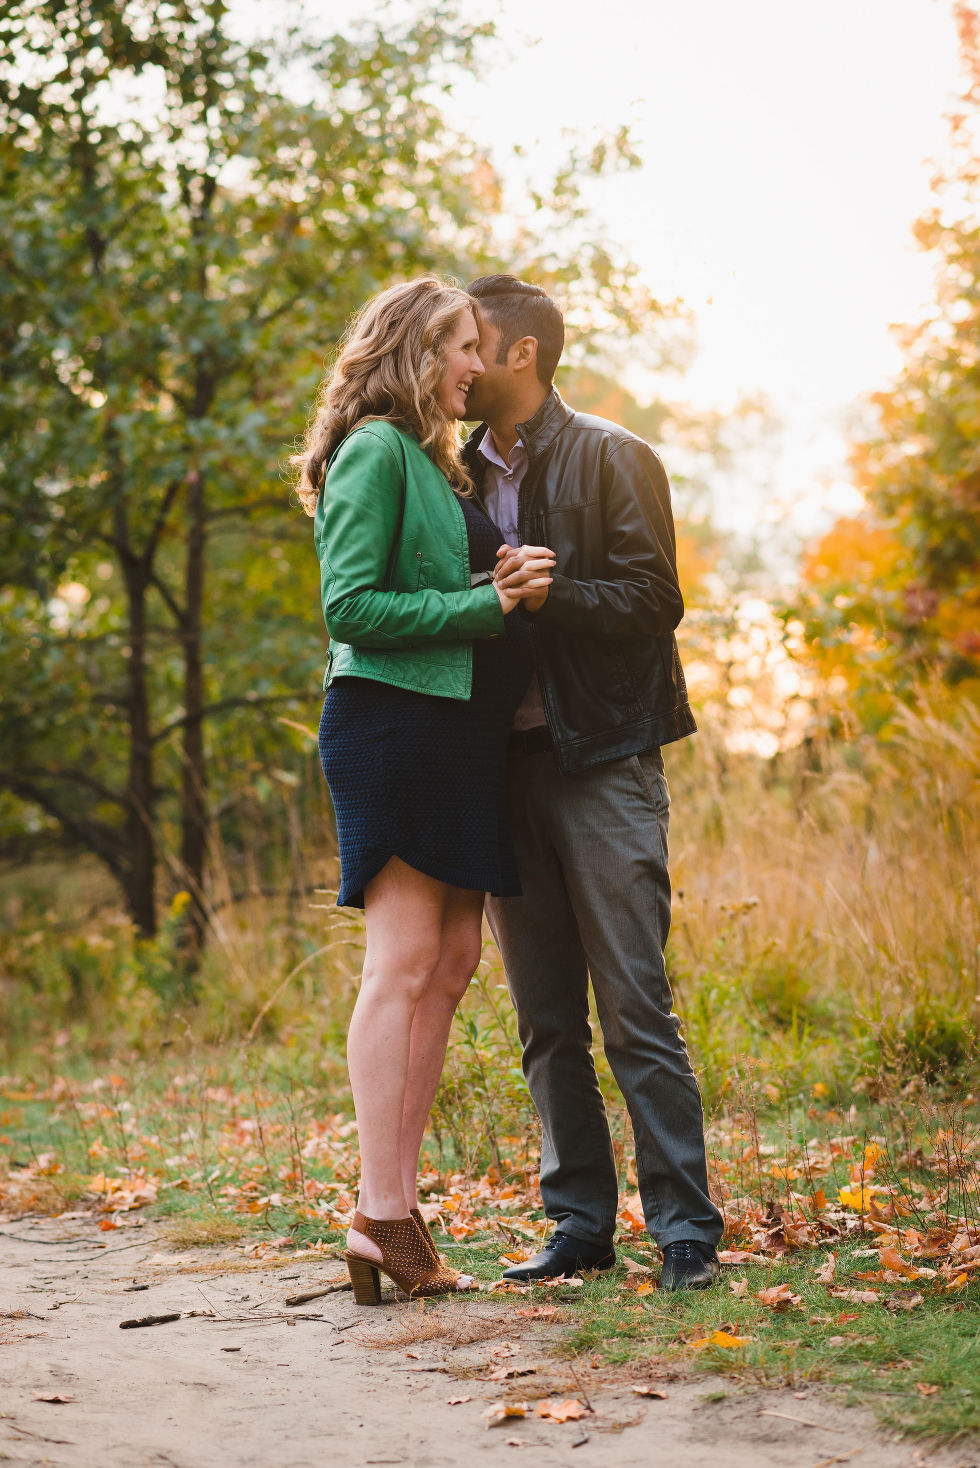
(521, 575)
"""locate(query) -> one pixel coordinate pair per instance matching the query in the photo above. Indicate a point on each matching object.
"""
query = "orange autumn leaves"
(551, 1410)
(297, 1173)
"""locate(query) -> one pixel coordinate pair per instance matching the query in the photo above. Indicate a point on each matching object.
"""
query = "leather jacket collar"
(537, 434)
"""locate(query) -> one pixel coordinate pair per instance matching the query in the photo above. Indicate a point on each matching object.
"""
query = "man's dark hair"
(518, 309)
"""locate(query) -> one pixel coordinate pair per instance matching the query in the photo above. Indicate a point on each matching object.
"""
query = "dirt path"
(247, 1387)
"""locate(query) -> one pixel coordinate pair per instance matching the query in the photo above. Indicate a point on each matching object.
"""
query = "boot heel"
(365, 1280)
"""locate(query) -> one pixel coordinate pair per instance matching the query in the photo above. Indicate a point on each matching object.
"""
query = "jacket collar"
(540, 432)
(537, 434)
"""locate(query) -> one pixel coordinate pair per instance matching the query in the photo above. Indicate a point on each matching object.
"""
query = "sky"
(787, 151)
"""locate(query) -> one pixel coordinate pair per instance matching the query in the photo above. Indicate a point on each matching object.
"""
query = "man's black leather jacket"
(604, 644)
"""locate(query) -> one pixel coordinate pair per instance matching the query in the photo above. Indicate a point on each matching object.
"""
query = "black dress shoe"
(562, 1255)
(689, 1265)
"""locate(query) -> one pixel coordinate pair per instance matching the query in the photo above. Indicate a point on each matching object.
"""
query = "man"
(588, 798)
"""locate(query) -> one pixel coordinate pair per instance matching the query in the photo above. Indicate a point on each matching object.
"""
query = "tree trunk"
(193, 800)
(141, 858)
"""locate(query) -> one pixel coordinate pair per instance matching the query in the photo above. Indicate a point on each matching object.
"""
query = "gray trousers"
(592, 851)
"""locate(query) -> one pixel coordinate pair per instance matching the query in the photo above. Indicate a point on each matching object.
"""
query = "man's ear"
(523, 353)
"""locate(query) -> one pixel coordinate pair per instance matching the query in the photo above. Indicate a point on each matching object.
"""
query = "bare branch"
(166, 505)
(268, 502)
(279, 310)
(173, 605)
(241, 701)
(73, 776)
(102, 840)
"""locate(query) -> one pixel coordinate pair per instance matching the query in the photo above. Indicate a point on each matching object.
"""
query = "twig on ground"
(581, 1389)
(305, 1295)
(67, 1441)
(67, 1242)
(103, 1253)
(150, 1320)
(788, 1417)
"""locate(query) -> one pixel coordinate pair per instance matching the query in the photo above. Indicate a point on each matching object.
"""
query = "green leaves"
(187, 223)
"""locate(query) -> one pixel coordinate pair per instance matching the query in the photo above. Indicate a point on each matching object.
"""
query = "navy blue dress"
(423, 778)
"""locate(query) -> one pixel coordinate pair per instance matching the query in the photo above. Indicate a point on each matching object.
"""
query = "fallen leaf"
(779, 1297)
(958, 1282)
(457, 1401)
(904, 1300)
(569, 1410)
(650, 1391)
(738, 1286)
(633, 1266)
(857, 1297)
(740, 1256)
(646, 1288)
(538, 1312)
(631, 1214)
(498, 1412)
(59, 1398)
(859, 1199)
(825, 1274)
(413, 1355)
(505, 1349)
(892, 1259)
(516, 1256)
(926, 1388)
(508, 1373)
(723, 1339)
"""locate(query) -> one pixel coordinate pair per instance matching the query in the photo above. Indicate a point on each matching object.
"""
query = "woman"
(426, 668)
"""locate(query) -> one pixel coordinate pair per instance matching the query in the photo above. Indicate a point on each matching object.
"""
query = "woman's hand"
(522, 573)
(507, 600)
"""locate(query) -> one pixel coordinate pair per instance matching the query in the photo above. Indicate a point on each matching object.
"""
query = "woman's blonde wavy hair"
(391, 362)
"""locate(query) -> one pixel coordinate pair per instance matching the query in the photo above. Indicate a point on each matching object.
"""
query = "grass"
(239, 1158)
(887, 1360)
(825, 958)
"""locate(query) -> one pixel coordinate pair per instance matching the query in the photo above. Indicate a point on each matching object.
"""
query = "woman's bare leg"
(404, 913)
(460, 948)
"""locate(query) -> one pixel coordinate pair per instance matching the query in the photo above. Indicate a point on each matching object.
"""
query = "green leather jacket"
(394, 568)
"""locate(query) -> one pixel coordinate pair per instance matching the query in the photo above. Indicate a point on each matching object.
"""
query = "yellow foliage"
(860, 1199)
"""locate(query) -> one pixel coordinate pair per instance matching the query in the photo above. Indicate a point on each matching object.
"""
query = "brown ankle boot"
(430, 1242)
(405, 1259)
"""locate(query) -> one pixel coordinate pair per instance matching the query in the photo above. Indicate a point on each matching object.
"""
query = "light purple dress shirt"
(501, 488)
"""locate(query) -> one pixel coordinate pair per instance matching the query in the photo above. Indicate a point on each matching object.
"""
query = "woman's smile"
(462, 366)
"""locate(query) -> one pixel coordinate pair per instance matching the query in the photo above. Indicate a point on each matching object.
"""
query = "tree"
(187, 222)
(894, 594)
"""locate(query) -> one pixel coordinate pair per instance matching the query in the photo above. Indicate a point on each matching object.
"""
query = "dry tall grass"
(826, 924)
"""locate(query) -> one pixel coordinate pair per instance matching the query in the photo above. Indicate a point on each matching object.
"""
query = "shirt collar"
(489, 450)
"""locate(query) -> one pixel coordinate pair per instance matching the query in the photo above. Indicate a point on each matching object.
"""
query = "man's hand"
(522, 571)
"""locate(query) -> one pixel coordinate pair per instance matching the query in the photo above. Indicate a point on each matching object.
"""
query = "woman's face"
(463, 365)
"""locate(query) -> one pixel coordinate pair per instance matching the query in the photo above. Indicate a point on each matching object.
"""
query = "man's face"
(488, 394)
